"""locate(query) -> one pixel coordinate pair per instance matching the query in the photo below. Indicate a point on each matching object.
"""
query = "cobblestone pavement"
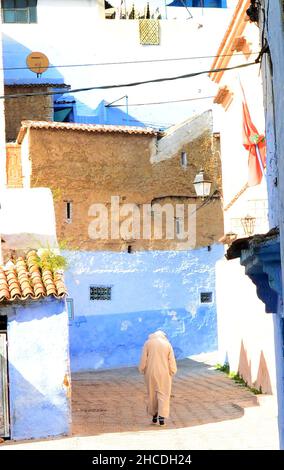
(208, 411)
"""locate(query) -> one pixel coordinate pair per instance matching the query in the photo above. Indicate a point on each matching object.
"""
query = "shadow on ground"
(114, 400)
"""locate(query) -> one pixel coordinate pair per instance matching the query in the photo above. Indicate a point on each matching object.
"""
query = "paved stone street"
(208, 411)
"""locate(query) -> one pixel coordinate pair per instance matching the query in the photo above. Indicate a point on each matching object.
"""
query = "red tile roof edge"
(99, 128)
(24, 280)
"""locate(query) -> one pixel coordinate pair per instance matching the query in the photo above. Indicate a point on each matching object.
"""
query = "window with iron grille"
(19, 11)
(206, 297)
(100, 292)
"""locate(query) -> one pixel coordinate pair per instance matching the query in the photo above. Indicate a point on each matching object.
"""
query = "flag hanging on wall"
(255, 144)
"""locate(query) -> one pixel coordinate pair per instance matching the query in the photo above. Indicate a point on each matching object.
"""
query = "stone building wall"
(29, 107)
(86, 168)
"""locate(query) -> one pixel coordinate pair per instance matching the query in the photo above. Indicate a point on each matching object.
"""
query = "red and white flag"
(255, 144)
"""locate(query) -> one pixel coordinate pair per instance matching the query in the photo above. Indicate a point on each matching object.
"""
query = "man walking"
(158, 365)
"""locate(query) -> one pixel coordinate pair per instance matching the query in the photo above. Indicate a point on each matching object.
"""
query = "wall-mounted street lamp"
(202, 185)
(248, 223)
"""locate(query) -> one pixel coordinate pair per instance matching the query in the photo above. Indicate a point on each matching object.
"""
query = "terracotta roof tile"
(23, 280)
(97, 128)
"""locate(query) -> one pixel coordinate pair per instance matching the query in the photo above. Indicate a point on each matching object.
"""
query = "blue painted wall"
(150, 290)
(38, 353)
(199, 3)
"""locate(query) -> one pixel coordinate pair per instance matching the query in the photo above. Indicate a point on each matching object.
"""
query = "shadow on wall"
(200, 395)
(20, 80)
(244, 368)
(17, 72)
(32, 413)
(263, 377)
(262, 381)
(14, 57)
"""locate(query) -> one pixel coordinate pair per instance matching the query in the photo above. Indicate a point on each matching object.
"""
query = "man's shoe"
(161, 421)
(155, 419)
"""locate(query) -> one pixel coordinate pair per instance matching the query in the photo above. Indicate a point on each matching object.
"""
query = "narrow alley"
(208, 411)
(141, 198)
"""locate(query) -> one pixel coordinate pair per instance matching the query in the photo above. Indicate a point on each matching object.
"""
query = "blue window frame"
(70, 308)
(19, 11)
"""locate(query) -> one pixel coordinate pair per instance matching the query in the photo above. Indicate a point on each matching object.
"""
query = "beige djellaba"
(158, 365)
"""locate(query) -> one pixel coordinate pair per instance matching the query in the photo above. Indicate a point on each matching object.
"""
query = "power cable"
(131, 84)
(127, 62)
(159, 102)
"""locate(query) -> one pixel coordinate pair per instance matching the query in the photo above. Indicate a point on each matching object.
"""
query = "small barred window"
(206, 297)
(100, 293)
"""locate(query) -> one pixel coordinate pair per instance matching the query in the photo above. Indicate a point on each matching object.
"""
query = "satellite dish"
(37, 62)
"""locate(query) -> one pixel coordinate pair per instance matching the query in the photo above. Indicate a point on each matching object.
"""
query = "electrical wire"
(131, 84)
(127, 62)
(159, 102)
(159, 125)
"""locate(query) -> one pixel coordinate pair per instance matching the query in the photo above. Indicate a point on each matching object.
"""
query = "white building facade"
(85, 49)
(245, 331)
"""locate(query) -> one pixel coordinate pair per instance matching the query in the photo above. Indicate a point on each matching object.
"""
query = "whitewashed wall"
(233, 154)
(77, 34)
(245, 331)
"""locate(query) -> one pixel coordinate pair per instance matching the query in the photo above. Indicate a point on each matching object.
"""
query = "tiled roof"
(98, 128)
(23, 280)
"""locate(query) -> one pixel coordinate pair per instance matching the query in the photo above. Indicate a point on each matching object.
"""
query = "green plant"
(223, 367)
(48, 259)
(237, 378)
